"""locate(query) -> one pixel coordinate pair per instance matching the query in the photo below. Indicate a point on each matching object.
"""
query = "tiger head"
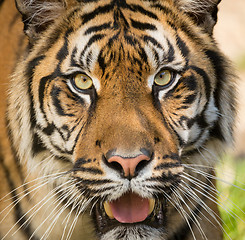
(120, 96)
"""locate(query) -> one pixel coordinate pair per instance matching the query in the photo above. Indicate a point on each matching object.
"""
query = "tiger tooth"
(108, 210)
(151, 205)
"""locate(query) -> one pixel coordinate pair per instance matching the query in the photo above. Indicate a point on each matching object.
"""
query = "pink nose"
(129, 164)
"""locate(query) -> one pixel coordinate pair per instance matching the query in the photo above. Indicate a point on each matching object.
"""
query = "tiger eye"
(82, 81)
(163, 78)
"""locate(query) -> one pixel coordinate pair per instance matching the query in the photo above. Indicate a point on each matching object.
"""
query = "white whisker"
(36, 208)
(193, 216)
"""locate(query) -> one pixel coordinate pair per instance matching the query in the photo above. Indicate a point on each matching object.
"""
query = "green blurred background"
(232, 196)
(230, 34)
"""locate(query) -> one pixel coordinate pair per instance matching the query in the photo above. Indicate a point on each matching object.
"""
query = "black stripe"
(167, 166)
(119, 20)
(218, 63)
(101, 61)
(171, 52)
(158, 106)
(166, 178)
(42, 86)
(206, 79)
(87, 192)
(92, 40)
(190, 82)
(156, 57)
(92, 170)
(183, 47)
(142, 26)
(138, 8)
(172, 156)
(89, 59)
(98, 28)
(63, 52)
(49, 130)
(61, 151)
(37, 144)
(165, 10)
(55, 93)
(92, 181)
(190, 99)
(131, 40)
(143, 55)
(98, 11)
(152, 40)
(81, 161)
(73, 59)
(29, 75)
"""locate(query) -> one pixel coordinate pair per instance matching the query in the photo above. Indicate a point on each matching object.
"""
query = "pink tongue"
(130, 208)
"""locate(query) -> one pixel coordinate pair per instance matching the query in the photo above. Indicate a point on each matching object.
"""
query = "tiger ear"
(203, 12)
(37, 15)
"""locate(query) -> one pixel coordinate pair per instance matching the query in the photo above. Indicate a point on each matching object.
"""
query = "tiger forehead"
(124, 43)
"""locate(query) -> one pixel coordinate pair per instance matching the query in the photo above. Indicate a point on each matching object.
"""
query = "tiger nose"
(130, 165)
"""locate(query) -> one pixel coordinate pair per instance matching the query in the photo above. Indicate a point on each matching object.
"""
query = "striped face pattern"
(125, 99)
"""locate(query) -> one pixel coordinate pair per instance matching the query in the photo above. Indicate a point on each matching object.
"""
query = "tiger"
(114, 114)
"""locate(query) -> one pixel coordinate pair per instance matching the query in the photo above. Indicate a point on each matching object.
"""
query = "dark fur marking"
(98, 11)
(171, 52)
(206, 79)
(218, 64)
(143, 26)
(92, 40)
(29, 74)
(91, 170)
(93, 181)
(183, 47)
(152, 40)
(137, 8)
(98, 28)
(167, 166)
(37, 145)
(190, 82)
(55, 98)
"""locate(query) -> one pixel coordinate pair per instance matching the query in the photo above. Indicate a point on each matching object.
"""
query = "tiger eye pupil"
(162, 75)
(84, 79)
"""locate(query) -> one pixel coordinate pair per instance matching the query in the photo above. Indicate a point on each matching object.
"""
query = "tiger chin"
(117, 112)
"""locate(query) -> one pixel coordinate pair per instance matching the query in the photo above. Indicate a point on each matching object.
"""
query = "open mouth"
(130, 209)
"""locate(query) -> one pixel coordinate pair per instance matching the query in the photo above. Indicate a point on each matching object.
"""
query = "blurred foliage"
(232, 197)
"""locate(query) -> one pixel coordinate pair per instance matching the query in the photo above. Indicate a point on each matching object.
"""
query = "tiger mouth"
(130, 210)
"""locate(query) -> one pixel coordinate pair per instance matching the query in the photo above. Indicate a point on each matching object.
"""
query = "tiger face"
(122, 98)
